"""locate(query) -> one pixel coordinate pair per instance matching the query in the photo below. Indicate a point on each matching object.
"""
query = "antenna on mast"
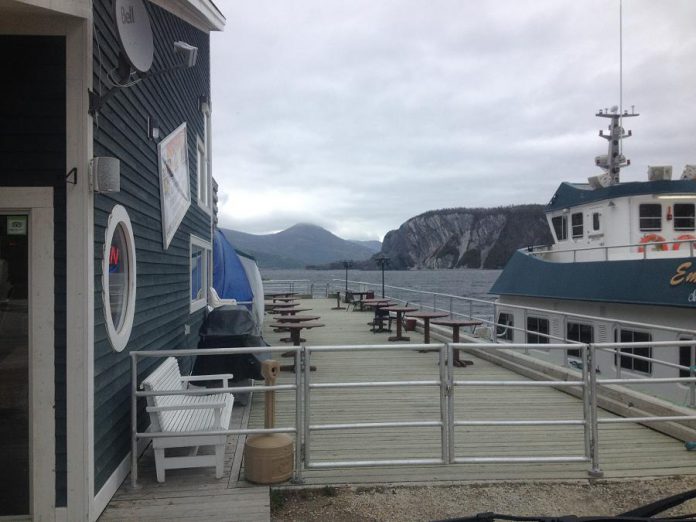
(614, 160)
(621, 70)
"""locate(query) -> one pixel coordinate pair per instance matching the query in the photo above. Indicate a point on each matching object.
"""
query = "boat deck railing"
(299, 286)
(646, 250)
(305, 384)
(486, 310)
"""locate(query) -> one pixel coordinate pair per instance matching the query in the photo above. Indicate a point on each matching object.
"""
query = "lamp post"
(347, 265)
(382, 261)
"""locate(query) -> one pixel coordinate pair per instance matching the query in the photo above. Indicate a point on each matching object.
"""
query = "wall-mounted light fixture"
(105, 174)
(203, 103)
(153, 128)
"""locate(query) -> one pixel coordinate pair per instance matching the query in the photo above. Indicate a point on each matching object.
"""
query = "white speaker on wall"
(106, 174)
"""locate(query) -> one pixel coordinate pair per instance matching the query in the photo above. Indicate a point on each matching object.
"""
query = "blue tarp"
(229, 277)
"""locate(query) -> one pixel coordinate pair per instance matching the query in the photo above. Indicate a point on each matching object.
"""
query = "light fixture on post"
(382, 261)
(153, 128)
(347, 265)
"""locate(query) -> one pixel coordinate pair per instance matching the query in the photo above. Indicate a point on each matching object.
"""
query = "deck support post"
(450, 402)
(595, 471)
(445, 394)
(299, 410)
(586, 393)
(134, 421)
(306, 416)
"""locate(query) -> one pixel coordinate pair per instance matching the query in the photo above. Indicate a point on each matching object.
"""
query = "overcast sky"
(357, 115)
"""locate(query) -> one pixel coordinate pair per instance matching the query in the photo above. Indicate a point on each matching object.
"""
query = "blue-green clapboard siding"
(162, 297)
(32, 154)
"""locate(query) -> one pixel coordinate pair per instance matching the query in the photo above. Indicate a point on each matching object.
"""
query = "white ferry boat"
(620, 269)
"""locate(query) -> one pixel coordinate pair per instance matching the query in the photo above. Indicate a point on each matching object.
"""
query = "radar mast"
(613, 160)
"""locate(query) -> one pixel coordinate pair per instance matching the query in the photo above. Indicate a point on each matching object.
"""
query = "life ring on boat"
(653, 238)
(683, 237)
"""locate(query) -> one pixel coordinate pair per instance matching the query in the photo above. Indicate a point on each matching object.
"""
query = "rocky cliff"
(465, 238)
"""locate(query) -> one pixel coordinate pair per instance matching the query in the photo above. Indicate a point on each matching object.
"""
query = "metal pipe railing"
(442, 423)
(447, 422)
(495, 307)
(586, 422)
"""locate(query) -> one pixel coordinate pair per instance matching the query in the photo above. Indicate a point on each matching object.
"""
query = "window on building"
(504, 329)
(686, 358)
(636, 365)
(536, 326)
(576, 224)
(204, 185)
(684, 216)
(200, 260)
(583, 333)
(650, 216)
(560, 227)
(596, 221)
(119, 278)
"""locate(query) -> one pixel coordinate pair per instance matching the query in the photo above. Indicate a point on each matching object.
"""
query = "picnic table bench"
(182, 413)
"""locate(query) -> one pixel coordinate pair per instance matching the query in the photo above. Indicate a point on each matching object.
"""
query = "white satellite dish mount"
(136, 55)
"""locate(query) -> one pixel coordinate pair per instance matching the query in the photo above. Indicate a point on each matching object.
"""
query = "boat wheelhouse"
(620, 270)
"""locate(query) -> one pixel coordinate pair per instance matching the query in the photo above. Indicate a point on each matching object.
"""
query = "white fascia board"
(202, 14)
(78, 8)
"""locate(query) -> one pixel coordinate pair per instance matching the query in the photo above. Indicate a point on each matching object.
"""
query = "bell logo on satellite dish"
(134, 33)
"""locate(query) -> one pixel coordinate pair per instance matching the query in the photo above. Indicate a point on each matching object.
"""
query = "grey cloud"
(366, 113)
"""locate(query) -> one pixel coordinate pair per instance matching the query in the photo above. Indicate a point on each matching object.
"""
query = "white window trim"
(206, 201)
(197, 304)
(119, 339)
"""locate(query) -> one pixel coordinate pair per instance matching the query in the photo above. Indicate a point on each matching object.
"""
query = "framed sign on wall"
(174, 181)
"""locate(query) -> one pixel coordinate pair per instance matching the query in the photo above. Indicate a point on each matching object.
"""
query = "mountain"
(374, 246)
(297, 247)
(465, 238)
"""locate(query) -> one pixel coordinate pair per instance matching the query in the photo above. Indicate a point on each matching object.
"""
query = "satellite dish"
(134, 33)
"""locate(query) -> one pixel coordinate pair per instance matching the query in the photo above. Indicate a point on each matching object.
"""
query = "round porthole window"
(118, 278)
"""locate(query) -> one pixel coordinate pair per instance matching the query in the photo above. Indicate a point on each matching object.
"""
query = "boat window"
(583, 333)
(650, 216)
(560, 227)
(504, 327)
(535, 326)
(200, 256)
(119, 278)
(686, 358)
(576, 224)
(636, 365)
(684, 216)
(596, 224)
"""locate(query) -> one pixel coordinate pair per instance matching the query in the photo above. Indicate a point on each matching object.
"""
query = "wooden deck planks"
(626, 450)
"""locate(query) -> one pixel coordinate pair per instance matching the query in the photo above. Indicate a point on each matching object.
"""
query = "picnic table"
(400, 311)
(278, 308)
(377, 322)
(275, 296)
(284, 312)
(361, 297)
(296, 318)
(295, 329)
(427, 316)
(456, 324)
(289, 319)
